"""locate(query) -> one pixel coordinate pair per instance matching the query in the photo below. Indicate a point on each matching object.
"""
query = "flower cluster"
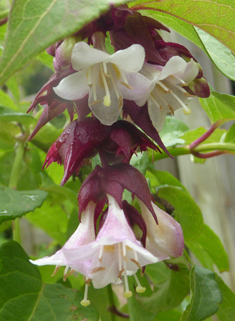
(139, 84)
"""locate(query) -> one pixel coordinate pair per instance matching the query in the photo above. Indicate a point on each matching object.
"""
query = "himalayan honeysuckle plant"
(93, 95)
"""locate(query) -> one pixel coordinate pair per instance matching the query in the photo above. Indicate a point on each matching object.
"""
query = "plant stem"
(19, 153)
(185, 150)
(110, 300)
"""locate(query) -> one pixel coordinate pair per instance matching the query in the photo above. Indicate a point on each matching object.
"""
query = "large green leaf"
(34, 25)
(218, 53)
(208, 244)
(226, 310)
(205, 295)
(215, 17)
(14, 204)
(170, 287)
(219, 106)
(23, 296)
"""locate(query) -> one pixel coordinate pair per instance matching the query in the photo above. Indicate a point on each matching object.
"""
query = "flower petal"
(84, 56)
(164, 239)
(140, 88)
(73, 87)
(130, 59)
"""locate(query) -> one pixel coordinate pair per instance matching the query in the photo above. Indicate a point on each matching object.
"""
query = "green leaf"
(46, 59)
(172, 130)
(6, 101)
(219, 54)
(24, 297)
(194, 134)
(189, 214)
(204, 297)
(11, 199)
(7, 115)
(170, 287)
(34, 26)
(230, 136)
(52, 219)
(219, 106)
(208, 244)
(140, 161)
(226, 310)
(207, 15)
(172, 315)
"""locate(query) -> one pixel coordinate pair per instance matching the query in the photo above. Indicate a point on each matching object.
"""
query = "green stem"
(19, 153)
(110, 300)
(185, 150)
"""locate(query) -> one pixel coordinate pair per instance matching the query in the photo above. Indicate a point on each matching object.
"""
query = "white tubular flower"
(116, 252)
(167, 92)
(84, 234)
(164, 239)
(106, 78)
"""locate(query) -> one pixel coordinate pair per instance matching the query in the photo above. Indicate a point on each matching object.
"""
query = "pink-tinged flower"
(164, 239)
(115, 253)
(106, 78)
(84, 234)
(167, 92)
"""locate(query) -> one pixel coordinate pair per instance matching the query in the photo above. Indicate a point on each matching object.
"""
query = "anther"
(139, 288)
(126, 85)
(56, 270)
(97, 269)
(68, 274)
(137, 263)
(96, 102)
(164, 87)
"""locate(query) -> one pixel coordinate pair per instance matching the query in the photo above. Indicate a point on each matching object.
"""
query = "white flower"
(84, 234)
(106, 78)
(164, 239)
(167, 91)
(115, 253)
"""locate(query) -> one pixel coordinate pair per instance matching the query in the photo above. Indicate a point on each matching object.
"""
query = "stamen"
(120, 102)
(136, 262)
(68, 274)
(155, 102)
(105, 68)
(85, 302)
(171, 109)
(179, 87)
(163, 87)
(96, 102)
(120, 273)
(186, 110)
(101, 253)
(115, 87)
(56, 270)
(140, 288)
(127, 293)
(65, 272)
(97, 269)
(119, 257)
(126, 85)
(107, 100)
(124, 252)
(183, 83)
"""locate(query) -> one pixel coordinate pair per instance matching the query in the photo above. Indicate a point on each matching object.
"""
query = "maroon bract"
(83, 139)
